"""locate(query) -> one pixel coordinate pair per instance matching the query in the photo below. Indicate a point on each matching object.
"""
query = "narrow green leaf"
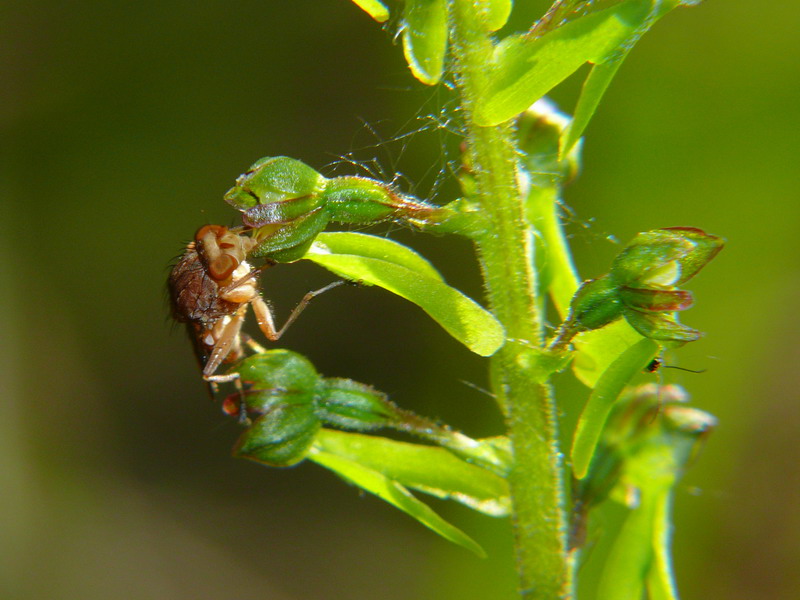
(429, 469)
(655, 470)
(602, 399)
(493, 454)
(559, 277)
(660, 579)
(373, 246)
(596, 350)
(425, 38)
(604, 71)
(395, 494)
(496, 12)
(527, 68)
(629, 560)
(374, 8)
(403, 272)
(593, 89)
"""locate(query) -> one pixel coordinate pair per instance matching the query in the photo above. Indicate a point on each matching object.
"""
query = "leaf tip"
(374, 8)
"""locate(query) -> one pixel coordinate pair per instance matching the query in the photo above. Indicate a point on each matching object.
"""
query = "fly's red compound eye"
(216, 230)
(222, 267)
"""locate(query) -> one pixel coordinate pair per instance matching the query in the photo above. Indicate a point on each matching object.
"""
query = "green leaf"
(395, 494)
(377, 261)
(640, 556)
(602, 399)
(429, 469)
(527, 68)
(375, 9)
(425, 38)
(604, 71)
(593, 89)
(646, 447)
(496, 12)
(372, 246)
(660, 579)
(596, 350)
(626, 568)
(493, 453)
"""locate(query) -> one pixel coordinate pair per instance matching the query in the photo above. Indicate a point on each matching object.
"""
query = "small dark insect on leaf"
(656, 364)
(653, 366)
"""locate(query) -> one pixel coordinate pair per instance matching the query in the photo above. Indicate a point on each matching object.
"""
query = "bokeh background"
(123, 123)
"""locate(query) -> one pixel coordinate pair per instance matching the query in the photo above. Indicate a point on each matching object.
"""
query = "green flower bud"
(281, 437)
(281, 390)
(287, 242)
(273, 179)
(280, 200)
(351, 405)
(665, 257)
(641, 286)
(279, 369)
(287, 204)
(596, 304)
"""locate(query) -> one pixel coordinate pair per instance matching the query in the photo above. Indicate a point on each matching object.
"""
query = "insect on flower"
(210, 289)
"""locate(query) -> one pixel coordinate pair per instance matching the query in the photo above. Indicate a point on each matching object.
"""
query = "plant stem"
(519, 370)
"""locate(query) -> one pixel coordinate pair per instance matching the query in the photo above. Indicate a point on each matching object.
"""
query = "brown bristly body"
(210, 289)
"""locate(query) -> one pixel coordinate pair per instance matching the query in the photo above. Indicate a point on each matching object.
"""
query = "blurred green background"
(123, 123)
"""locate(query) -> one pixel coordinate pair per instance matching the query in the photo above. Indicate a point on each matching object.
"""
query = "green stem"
(519, 370)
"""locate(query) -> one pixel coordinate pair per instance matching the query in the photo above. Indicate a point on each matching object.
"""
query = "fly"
(210, 289)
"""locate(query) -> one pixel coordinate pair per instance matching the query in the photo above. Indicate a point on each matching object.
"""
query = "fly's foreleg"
(266, 320)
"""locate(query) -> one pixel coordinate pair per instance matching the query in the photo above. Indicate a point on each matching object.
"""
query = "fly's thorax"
(190, 290)
(195, 296)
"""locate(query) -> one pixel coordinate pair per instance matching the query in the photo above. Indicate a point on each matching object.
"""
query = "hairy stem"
(520, 369)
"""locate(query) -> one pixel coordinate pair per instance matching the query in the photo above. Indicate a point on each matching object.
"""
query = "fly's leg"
(252, 344)
(229, 337)
(229, 340)
(266, 321)
(254, 272)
